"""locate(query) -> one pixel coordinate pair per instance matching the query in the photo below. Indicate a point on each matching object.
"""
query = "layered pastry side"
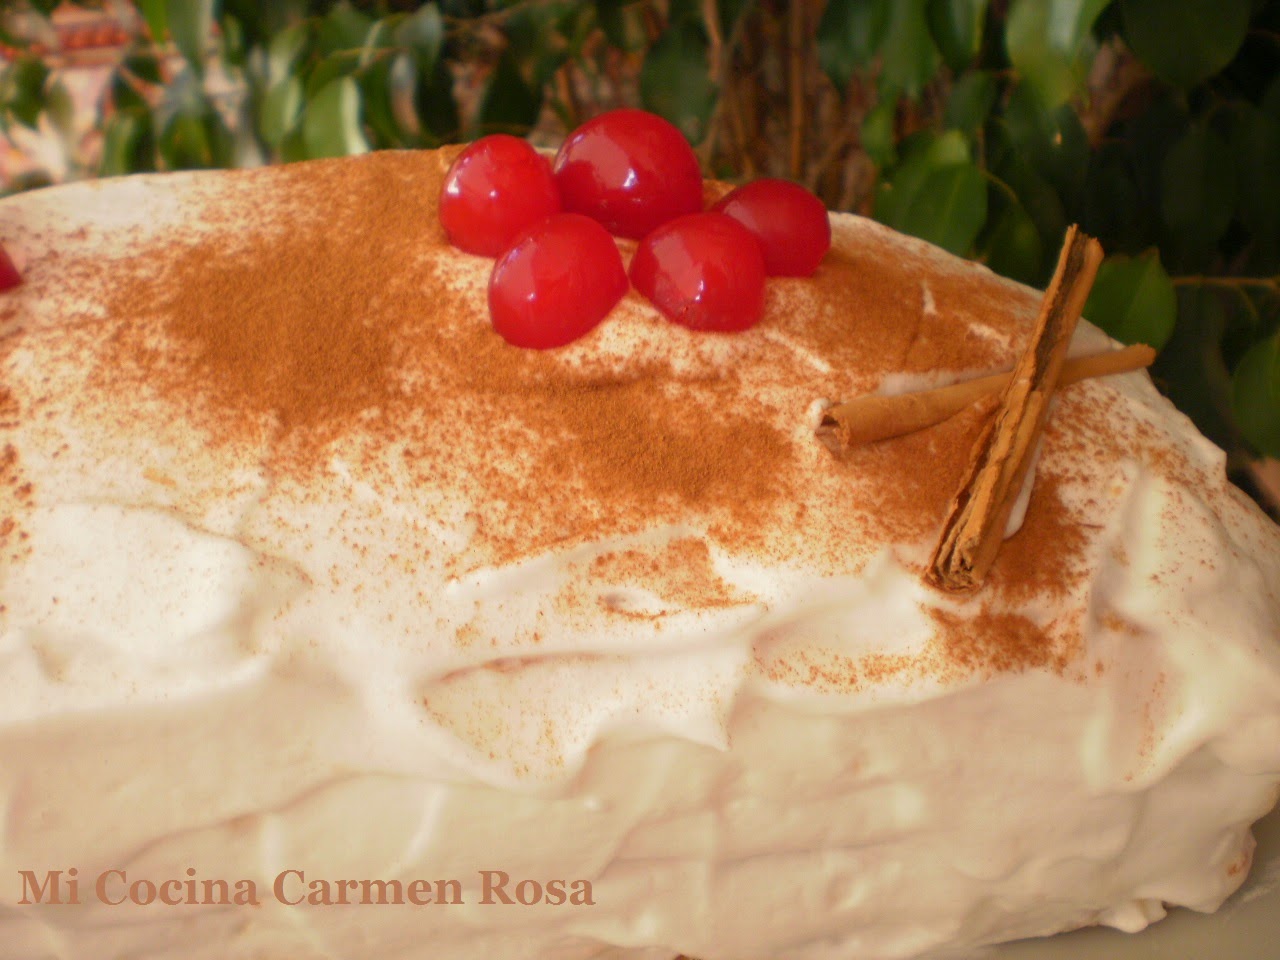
(308, 580)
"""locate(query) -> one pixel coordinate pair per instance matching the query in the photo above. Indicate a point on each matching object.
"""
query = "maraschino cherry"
(9, 275)
(630, 170)
(789, 222)
(556, 282)
(704, 271)
(497, 188)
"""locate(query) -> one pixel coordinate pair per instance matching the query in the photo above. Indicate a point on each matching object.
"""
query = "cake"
(335, 626)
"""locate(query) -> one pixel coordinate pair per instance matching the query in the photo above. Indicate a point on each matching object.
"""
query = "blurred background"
(985, 126)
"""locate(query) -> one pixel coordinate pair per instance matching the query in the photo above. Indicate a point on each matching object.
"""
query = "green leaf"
(128, 143)
(684, 10)
(1270, 104)
(1255, 144)
(343, 28)
(232, 48)
(1186, 41)
(878, 139)
(136, 70)
(577, 25)
(731, 11)
(333, 67)
(1032, 190)
(379, 111)
(1048, 42)
(849, 35)
(535, 42)
(920, 154)
(284, 50)
(675, 81)
(261, 21)
(281, 108)
(1012, 246)
(1053, 142)
(509, 104)
(123, 94)
(222, 144)
(463, 8)
(422, 32)
(971, 100)
(193, 133)
(155, 13)
(22, 89)
(1148, 139)
(60, 107)
(622, 23)
(1113, 210)
(144, 65)
(377, 42)
(1191, 371)
(191, 26)
(247, 148)
(909, 56)
(1133, 299)
(937, 150)
(956, 26)
(1255, 396)
(936, 192)
(196, 138)
(543, 67)
(1197, 187)
(294, 147)
(331, 121)
(433, 102)
(949, 209)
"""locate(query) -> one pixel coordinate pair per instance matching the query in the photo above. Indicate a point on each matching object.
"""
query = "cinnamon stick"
(976, 519)
(872, 418)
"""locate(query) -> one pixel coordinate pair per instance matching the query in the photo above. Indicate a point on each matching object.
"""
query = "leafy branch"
(983, 127)
(1233, 283)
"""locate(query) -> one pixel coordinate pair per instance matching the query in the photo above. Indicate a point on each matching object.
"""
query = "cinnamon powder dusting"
(331, 317)
(680, 573)
(996, 641)
(905, 484)
(17, 494)
(899, 313)
(294, 321)
(1045, 558)
(323, 317)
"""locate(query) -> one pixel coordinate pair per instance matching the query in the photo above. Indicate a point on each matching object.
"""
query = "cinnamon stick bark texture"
(872, 418)
(976, 519)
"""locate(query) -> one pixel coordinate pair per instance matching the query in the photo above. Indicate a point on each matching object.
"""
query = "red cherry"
(9, 275)
(497, 188)
(789, 222)
(556, 282)
(704, 271)
(629, 169)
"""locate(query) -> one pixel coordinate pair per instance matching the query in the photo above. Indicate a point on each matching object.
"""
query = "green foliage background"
(981, 125)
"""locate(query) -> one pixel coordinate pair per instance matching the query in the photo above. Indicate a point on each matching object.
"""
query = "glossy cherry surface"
(556, 282)
(704, 271)
(496, 189)
(630, 170)
(789, 222)
(9, 276)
